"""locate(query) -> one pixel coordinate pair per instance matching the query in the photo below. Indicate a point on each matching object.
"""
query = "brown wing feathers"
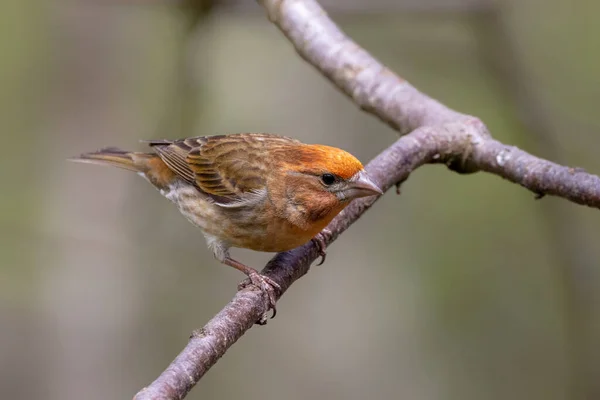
(176, 159)
(187, 159)
(222, 165)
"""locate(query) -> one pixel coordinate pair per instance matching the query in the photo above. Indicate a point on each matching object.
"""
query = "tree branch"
(439, 135)
(538, 175)
(372, 86)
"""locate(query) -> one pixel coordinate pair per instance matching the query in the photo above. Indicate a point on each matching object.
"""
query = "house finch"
(256, 191)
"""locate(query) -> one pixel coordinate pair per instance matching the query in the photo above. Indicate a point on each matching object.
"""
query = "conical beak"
(362, 186)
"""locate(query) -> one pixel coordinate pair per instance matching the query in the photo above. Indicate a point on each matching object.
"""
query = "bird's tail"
(148, 165)
(137, 162)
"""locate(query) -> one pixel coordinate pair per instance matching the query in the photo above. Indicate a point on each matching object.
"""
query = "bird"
(257, 191)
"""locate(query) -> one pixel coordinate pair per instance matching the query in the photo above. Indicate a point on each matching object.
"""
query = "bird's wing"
(229, 168)
(174, 154)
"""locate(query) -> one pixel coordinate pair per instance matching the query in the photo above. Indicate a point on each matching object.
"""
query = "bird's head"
(321, 180)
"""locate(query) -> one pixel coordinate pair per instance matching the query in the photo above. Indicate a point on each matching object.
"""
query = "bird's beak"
(362, 186)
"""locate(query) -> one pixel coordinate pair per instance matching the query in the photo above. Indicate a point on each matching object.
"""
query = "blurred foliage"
(462, 287)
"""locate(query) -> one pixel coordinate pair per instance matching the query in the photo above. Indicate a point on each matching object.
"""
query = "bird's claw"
(319, 241)
(268, 287)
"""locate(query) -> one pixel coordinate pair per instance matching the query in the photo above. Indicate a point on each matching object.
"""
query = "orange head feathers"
(317, 157)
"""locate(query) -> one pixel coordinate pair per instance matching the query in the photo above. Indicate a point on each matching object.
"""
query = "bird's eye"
(328, 179)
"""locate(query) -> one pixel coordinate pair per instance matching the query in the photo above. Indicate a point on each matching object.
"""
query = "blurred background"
(463, 287)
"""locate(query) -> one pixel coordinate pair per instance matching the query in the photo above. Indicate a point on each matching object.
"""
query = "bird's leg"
(319, 241)
(264, 283)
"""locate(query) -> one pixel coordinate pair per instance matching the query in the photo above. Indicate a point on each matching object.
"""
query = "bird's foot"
(268, 287)
(264, 283)
(320, 241)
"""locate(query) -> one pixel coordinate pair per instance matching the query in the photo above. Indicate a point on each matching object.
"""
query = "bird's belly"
(249, 228)
(197, 209)
(277, 235)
